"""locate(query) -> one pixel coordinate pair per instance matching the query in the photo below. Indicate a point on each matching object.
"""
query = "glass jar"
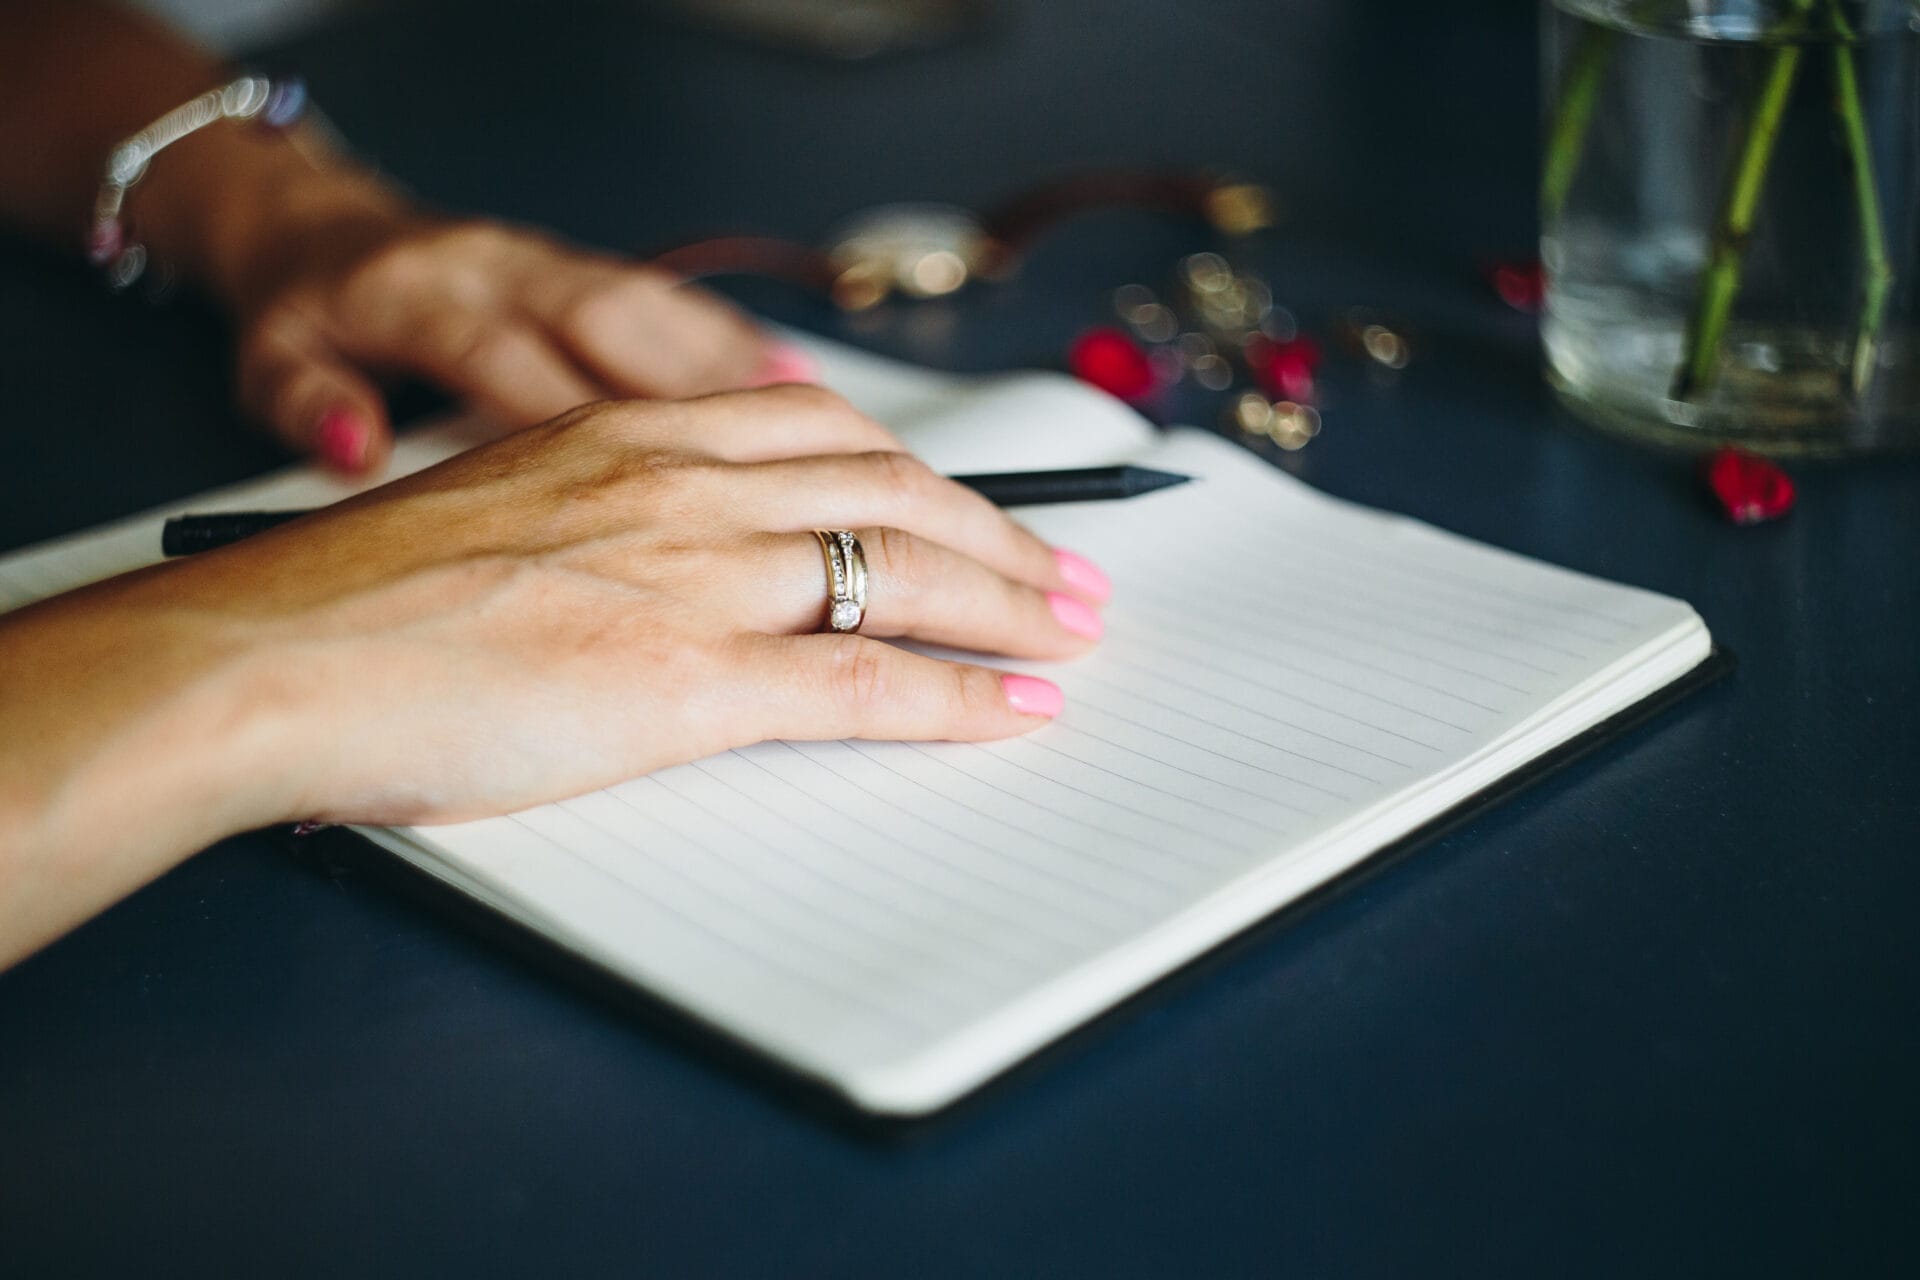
(1728, 201)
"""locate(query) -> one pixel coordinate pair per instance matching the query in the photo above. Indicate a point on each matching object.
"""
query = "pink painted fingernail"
(786, 363)
(1032, 696)
(1075, 615)
(1083, 575)
(343, 439)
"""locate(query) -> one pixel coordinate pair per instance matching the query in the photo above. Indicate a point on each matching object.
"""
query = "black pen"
(1087, 484)
(184, 535)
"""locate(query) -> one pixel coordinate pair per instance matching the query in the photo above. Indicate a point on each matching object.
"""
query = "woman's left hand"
(511, 320)
(334, 277)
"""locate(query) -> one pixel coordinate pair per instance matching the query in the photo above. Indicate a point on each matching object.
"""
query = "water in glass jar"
(1728, 219)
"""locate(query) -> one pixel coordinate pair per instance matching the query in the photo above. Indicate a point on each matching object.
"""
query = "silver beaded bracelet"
(111, 246)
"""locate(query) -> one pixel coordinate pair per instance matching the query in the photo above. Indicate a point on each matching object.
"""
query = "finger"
(788, 421)
(644, 334)
(920, 589)
(785, 362)
(792, 421)
(511, 371)
(897, 491)
(819, 688)
(292, 380)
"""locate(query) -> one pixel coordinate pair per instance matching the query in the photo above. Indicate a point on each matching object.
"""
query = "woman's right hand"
(628, 586)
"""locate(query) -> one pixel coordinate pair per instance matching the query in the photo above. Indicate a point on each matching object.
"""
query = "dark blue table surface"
(1658, 1013)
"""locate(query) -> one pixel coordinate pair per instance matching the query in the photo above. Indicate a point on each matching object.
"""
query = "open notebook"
(1288, 684)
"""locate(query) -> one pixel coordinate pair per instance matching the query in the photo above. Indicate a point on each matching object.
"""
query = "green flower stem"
(1720, 280)
(1573, 111)
(1877, 269)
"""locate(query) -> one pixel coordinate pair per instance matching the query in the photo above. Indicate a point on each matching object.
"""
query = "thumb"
(313, 399)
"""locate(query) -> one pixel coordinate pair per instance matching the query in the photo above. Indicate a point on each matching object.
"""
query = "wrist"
(235, 207)
(137, 732)
(157, 727)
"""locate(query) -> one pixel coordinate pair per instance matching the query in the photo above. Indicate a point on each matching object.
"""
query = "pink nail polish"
(1083, 575)
(343, 439)
(1032, 696)
(1075, 615)
(786, 363)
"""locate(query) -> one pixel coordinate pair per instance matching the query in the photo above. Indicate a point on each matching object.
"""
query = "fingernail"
(1083, 575)
(1032, 696)
(1075, 615)
(343, 439)
(786, 363)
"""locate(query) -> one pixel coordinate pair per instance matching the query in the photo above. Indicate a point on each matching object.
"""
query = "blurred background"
(1286, 91)
(1398, 141)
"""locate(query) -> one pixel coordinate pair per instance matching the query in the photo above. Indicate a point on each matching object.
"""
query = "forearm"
(77, 76)
(132, 733)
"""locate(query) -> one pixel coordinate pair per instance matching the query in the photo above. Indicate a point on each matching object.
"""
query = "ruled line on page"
(841, 946)
(1405, 547)
(1041, 881)
(1124, 689)
(1081, 821)
(1114, 743)
(1352, 599)
(1239, 685)
(728, 949)
(1102, 868)
(806, 942)
(984, 922)
(1262, 677)
(1235, 699)
(865, 892)
(1355, 601)
(955, 994)
(1016, 925)
(1006, 754)
(1326, 625)
(1420, 564)
(1303, 637)
(699, 812)
(1495, 602)
(990, 897)
(968, 860)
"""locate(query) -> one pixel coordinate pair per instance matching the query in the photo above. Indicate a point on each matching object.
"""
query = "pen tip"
(1146, 479)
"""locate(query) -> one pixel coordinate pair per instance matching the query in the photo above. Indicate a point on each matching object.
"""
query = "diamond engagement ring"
(846, 578)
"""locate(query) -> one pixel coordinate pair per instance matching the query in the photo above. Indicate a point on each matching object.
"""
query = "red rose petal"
(1285, 370)
(1113, 362)
(1750, 488)
(1521, 285)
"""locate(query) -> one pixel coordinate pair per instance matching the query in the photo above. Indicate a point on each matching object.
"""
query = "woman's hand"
(624, 588)
(628, 587)
(511, 320)
(333, 277)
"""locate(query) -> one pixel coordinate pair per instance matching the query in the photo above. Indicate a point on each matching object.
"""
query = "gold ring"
(846, 578)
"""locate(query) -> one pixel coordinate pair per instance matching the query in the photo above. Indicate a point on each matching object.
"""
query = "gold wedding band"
(846, 578)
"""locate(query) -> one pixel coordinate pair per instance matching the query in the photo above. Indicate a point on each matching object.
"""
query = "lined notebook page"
(1288, 683)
